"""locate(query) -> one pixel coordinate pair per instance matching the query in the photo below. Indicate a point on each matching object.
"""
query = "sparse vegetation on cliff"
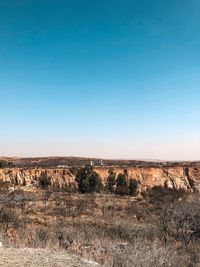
(88, 180)
(44, 181)
(6, 164)
(111, 180)
(133, 187)
(121, 184)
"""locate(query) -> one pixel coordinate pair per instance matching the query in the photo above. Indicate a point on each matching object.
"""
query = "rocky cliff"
(187, 178)
(27, 177)
(175, 177)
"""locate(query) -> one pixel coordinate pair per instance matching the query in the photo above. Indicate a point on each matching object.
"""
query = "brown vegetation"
(159, 229)
(114, 216)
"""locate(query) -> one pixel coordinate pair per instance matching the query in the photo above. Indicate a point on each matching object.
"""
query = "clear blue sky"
(109, 78)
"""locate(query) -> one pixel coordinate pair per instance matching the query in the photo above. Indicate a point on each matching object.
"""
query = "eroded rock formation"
(187, 178)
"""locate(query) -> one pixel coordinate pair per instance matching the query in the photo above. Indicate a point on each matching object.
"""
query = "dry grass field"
(160, 228)
(29, 257)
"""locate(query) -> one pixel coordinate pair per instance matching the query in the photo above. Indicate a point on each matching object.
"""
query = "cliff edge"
(179, 177)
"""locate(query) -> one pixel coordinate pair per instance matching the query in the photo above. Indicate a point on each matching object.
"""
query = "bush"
(9, 218)
(180, 221)
(160, 195)
(133, 186)
(121, 184)
(111, 180)
(88, 180)
(45, 181)
(3, 164)
(6, 164)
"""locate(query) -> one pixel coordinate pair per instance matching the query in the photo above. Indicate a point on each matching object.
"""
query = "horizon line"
(98, 158)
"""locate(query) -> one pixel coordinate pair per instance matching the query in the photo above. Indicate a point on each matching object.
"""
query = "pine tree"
(121, 184)
(88, 180)
(111, 180)
(133, 185)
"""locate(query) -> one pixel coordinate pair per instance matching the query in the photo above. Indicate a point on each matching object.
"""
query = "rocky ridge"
(180, 177)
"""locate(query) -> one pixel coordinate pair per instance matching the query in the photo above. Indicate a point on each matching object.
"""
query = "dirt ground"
(11, 257)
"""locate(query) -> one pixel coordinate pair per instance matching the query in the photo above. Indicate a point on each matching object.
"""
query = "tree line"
(6, 164)
(89, 181)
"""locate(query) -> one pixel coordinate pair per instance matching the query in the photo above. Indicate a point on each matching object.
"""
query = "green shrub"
(88, 180)
(111, 180)
(45, 182)
(121, 184)
(133, 186)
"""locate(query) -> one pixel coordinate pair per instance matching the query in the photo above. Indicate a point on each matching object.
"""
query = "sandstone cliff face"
(26, 177)
(176, 177)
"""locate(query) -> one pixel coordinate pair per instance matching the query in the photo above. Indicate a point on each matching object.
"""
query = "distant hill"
(54, 162)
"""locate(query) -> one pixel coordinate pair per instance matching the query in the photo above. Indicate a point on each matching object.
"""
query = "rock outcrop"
(174, 177)
(187, 178)
(27, 177)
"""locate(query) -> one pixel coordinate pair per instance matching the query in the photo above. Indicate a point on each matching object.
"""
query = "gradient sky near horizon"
(109, 78)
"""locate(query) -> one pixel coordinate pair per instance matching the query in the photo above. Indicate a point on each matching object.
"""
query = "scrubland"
(158, 228)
